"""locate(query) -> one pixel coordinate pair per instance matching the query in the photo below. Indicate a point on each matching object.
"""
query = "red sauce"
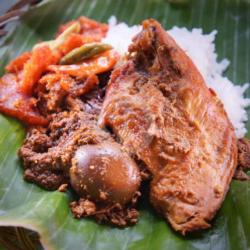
(17, 104)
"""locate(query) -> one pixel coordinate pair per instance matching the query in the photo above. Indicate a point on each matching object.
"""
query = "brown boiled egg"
(104, 173)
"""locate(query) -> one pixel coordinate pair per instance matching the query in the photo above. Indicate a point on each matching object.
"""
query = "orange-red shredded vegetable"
(17, 64)
(40, 59)
(96, 65)
(16, 104)
(25, 72)
(89, 28)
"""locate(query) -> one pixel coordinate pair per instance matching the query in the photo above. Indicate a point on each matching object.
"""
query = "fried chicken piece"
(161, 110)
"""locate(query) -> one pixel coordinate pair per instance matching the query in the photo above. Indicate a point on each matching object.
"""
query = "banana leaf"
(26, 205)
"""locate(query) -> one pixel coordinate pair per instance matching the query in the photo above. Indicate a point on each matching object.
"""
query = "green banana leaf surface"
(24, 204)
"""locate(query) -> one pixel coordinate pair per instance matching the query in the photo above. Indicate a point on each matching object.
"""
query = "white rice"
(120, 35)
(201, 49)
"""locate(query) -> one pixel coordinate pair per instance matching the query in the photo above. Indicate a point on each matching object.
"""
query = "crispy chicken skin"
(159, 107)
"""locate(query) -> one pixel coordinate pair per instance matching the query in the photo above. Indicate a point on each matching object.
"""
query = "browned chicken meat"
(161, 110)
